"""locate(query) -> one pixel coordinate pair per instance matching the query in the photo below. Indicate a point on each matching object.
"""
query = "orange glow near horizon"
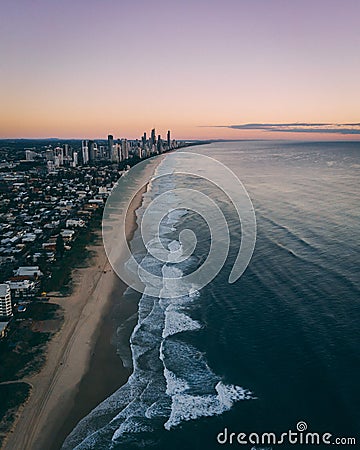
(128, 77)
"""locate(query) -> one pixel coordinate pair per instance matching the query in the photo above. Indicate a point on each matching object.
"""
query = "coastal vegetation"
(23, 349)
(12, 395)
(78, 256)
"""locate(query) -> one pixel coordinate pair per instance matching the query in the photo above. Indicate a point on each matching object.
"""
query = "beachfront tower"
(143, 140)
(168, 139)
(159, 144)
(153, 138)
(110, 145)
(5, 302)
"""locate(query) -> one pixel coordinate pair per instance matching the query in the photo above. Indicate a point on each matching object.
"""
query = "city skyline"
(91, 151)
(207, 70)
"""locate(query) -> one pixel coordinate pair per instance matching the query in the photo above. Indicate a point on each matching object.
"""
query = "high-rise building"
(138, 151)
(85, 152)
(5, 301)
(110, 146)
(75, 161)
(159, 145)
(153, 138)
(66, 151)
(59, 156)
(102, 152)
(124, 149)
(168, 139)
(115, 153)
(91, 151)
(67, 155)
(119, 151)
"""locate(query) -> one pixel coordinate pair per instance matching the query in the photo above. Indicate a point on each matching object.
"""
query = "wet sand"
(106, 372)
(104, 376)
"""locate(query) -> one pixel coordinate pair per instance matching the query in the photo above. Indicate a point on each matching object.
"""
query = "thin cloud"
(298, 127)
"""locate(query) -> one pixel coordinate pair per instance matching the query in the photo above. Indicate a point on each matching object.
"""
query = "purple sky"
(85, 67)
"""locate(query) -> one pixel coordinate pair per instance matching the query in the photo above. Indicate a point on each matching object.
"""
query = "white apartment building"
(5, 301)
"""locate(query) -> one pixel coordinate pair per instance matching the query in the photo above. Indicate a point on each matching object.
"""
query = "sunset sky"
(203, 68)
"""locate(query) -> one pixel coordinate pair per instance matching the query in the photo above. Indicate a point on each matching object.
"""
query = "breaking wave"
(171, 381)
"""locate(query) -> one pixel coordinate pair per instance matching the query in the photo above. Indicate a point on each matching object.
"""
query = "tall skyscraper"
(168, 139)
(67, 154)
(85, 152)
(110, 145)
(75, 159)
(159, 144)
(66, 150)
(124, 149)
(153, 138)
(91, 151)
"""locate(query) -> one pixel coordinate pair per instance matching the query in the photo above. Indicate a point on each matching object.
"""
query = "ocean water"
(280, 345)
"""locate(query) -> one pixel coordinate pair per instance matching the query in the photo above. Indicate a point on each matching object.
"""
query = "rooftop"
(4, 289)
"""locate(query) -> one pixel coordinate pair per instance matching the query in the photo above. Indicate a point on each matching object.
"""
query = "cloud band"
(298, 127)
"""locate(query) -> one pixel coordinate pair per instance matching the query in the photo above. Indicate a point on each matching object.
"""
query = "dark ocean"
(279, 346)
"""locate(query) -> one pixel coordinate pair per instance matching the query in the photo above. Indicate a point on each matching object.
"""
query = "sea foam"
(171, 381)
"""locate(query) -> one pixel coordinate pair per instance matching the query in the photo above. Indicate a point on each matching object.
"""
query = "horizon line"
(192, 139)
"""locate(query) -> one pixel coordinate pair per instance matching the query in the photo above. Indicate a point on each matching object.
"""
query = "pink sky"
(85, 68)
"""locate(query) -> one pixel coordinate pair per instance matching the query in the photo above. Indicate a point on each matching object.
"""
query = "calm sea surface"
(279, 346)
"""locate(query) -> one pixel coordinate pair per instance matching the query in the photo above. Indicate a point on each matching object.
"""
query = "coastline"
(75, 355)
(106, 370)
(66, 360)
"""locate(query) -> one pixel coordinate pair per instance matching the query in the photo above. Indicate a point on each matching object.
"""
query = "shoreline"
(73, 358)
(106, 370)
(54, 385)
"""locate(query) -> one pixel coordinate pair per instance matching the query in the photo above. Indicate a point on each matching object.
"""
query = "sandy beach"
(68, 387)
